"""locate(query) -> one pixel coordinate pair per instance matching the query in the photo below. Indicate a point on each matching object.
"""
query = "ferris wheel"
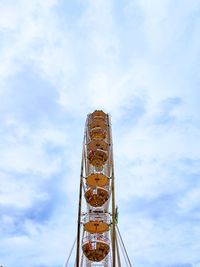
(98, 237)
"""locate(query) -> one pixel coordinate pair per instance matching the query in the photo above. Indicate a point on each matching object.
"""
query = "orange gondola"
(96, 249)
(97, 157)
(96, 197)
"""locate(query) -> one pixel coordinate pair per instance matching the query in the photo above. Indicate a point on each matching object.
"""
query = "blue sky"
(137, 60)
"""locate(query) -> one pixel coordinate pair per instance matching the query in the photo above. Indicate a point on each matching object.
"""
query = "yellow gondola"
(97, 179)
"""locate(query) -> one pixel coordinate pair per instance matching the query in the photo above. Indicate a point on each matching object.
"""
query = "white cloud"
(46, 244)
(24, 149)
(24, 25)
(147, 179)
(190, 200)
(25, 158)
(160, 241)
(20, 194)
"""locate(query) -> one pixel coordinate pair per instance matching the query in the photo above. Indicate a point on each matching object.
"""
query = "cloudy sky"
(139, 61)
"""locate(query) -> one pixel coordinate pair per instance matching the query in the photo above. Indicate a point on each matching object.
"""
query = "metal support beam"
(113, 224)
(113, 201)
(79, 226)
(79, 208)
(118, 255)
(123, 247)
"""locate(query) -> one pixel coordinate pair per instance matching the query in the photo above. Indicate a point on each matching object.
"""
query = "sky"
(139, 61)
